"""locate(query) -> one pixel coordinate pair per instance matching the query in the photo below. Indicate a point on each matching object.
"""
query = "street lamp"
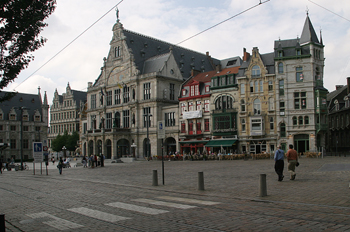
(148, 150)
(134, 148)
(21, 137)
(64, 151)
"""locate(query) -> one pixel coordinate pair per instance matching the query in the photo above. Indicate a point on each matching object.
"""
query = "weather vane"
(307, 11)
(117, 13)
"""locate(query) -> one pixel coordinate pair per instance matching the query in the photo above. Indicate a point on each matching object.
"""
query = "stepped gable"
(145, 47)
(31, 102)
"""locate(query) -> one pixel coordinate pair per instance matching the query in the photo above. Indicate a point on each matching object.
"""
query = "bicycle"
(25, 167)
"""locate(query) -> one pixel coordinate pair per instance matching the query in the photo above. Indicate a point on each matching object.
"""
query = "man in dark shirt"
(279, 163)
(292, 157)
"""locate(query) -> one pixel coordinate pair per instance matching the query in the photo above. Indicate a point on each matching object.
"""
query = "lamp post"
(147, 115)
(64, 151)
(134, 148)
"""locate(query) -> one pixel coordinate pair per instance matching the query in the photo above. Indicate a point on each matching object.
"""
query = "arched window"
(301, 120)
(295, 121)
(257, 106)
(283, 130)
(280, 67)
(256, 71)
(224, 102)
(306, 120)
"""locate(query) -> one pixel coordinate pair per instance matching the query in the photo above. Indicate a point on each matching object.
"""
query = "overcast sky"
(173, 21)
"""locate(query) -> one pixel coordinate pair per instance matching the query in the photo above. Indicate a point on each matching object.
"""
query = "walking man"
(60, 165)
(279, 163)
(292, 157)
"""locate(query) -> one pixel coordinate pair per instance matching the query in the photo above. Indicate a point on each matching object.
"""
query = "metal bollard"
(200, 181)
(155, 178)
(262, 187)
(2, 222)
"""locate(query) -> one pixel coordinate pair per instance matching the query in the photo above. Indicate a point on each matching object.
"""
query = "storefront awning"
(219, 143)
(193, 141)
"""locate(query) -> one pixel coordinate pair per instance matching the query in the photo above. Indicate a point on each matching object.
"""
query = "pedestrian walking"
(102, 160)
(279, 162)
(84, 162)
(60, 165)
(92, 161)
(95, 159)
(53, 160)
(292, 158)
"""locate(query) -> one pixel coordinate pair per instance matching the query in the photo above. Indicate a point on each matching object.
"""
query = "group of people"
(292, 159)
(93, 161)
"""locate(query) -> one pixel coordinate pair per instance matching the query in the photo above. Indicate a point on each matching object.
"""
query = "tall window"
(257, 106)
(146, 91)
(190, 127)
(190, 106)
(280, 67)
(206, 105)
(300, 120)
(261, 86)
(25, 143)
(295, 121)
(243, 124)
(299, 74)
(198, 105)
(242, 105)
(117, 52)
(116, 120)
(169, 119)
(306, 120)
(126, 94)
(12, 143)
(271, 123)
(251, 84)
(199, 127)
(172, 91)
(270, 85)
(242, 88)
(281, 87)
(109, 120)
(109, 98)
(146, 116)
(256, 86)
(117, 98)
(271, 103)
(126, 118)
(206, 124)
(183, 127)
(224, 102)
(93, 101)
(283, 130)
(282, 108)
(256, 71)
(183, 108)
(300, 100)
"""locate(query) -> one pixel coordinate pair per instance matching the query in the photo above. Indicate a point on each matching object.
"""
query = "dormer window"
(346, 99)
(37, 118)
(280, 54)
(194, 90)
(336, 103)
(298, 52)
(184, 92)
(25, 117)
(12, 117)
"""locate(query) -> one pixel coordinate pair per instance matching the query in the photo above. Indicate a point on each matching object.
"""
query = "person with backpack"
(279, 162)
(60, 165)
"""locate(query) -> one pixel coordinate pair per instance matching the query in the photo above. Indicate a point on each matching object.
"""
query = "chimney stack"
(246, 54)
(348, 82)
(337, 87)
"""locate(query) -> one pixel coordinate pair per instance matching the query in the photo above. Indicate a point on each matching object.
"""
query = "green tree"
(72, 141)
(69, 141)
(21, 22)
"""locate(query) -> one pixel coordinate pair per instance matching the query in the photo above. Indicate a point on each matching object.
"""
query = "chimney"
(246, 54)
(348, 82)
(337, 87)
(194, 72)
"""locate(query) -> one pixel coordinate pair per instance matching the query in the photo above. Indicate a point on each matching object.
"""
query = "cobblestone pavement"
(120, 197)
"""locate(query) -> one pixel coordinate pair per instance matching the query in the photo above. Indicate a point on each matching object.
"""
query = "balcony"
(233, 110)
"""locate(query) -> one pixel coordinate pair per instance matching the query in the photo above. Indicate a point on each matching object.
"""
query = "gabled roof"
(144, 47)
(31, 103)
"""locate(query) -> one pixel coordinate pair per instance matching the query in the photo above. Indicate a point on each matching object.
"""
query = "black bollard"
(262, 186)
(2, 222)
(155, 178)
(200, 181)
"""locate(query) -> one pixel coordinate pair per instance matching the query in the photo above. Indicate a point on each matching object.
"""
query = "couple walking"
(292, 158)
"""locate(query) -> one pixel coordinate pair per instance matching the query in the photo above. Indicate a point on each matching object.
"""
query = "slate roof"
(31, 102)
(155, 64)
(144, 47)
(79, 96)
(308, 34)
(267, 59)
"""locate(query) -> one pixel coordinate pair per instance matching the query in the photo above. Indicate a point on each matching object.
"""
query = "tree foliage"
(21, 21)
(69, 141)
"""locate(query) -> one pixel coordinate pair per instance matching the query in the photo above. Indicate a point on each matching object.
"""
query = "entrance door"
(123, 148)
(301, 143)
